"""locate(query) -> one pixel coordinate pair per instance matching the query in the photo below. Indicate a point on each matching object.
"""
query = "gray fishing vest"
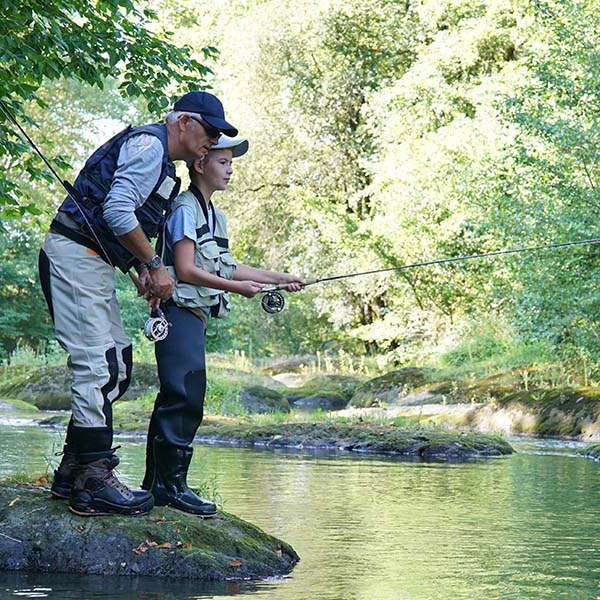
(211, 255)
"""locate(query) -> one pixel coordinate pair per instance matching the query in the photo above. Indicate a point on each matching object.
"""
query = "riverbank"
(274, 406)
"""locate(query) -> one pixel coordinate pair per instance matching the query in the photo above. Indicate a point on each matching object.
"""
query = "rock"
(49, 387)
(289, 365)
(378, 438)
(388, 388)
(325, 392)
(323, 401)
(592, 452)
(17, 406)
(39, 534)
(261, 400)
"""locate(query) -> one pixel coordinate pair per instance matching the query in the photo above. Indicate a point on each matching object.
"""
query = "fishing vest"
(211, 254)
(93, 184)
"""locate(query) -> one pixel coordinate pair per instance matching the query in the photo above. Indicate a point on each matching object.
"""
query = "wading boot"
(169, 486)
(64, 475)
(97, 491)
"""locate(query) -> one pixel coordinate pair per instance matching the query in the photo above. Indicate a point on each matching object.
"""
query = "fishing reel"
(272, 302)
(156, 327)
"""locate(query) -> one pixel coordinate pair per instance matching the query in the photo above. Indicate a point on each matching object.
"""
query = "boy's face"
(217, 169)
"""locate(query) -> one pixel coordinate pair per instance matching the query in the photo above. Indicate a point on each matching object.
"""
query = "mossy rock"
(261, 400)
(49, 387)
(567, 412)
(17, 406)
(592, 452)
(388, 388)
(325, 392)
(40, 535)
(291, 364)
(326, 401)
(378, 438)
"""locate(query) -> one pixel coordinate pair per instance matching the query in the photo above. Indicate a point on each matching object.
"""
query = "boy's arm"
(188, 272)
(293, 283)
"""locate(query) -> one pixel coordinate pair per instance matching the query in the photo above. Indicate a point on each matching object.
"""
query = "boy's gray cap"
(238, 147)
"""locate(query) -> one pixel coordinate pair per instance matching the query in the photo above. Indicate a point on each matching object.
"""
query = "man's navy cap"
(209, 107)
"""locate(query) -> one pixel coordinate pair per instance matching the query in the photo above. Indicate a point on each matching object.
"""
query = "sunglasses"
(211, 132)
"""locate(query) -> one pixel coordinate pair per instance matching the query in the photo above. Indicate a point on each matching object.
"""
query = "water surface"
(366, 527)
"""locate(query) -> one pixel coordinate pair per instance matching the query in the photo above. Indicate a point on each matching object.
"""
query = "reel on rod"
(156, 327)
(272, 302)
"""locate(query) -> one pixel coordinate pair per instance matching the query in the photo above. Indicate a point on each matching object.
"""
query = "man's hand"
(144, 282)
(161, 283)
(249, 289)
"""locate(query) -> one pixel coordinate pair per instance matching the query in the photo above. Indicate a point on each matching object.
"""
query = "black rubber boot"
(97, 491)
(64, 475)
(169, 486)
(149, 474)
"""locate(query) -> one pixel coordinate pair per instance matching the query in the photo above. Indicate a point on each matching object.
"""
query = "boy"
(196, 252)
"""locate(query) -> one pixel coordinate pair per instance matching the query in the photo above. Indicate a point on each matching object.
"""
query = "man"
(117, 204)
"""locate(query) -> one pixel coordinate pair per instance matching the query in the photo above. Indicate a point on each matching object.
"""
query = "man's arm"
(139, 167)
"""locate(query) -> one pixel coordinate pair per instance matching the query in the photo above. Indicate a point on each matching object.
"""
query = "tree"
(90, 42)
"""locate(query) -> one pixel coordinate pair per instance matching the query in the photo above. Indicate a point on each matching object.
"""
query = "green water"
(373, 528)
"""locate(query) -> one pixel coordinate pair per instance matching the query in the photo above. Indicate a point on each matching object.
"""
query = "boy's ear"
(199, 166)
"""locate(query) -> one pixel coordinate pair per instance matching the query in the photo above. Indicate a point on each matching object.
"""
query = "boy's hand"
(291, 283)
(249, 289)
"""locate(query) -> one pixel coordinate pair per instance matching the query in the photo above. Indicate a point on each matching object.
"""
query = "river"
(372, 528)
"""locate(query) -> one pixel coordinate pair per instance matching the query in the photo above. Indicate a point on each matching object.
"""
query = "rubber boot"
(169, 486)
(64, 475)
(149, 474)
(98, 492)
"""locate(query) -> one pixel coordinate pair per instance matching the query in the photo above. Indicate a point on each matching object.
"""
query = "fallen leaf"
(13, 501)
(279, 550)
(164, 545)
(235, 563)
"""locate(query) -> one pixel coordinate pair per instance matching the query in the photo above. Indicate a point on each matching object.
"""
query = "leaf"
(235, 563)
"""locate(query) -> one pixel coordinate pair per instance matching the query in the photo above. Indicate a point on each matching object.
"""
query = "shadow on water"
(76, 587)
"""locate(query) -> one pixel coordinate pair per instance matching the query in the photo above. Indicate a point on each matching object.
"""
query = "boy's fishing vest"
(92, 186)
(211, 254)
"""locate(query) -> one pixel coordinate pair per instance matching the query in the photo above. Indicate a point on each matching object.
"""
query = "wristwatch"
(154, 263)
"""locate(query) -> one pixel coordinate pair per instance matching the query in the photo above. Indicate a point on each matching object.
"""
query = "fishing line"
(273, 301)
(71, 191)
(156, 326)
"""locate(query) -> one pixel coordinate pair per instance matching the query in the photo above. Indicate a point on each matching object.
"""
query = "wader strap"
(79, 238)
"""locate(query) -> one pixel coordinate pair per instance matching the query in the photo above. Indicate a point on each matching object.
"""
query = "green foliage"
(382, 133)
(88, 42)
(24, 318)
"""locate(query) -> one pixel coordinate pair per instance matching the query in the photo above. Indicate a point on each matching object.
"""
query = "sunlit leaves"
(90, 42)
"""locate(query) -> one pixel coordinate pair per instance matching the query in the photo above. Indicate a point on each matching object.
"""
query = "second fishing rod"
(273, 300)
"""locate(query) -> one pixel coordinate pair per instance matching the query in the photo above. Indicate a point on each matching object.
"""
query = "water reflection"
(376, 528)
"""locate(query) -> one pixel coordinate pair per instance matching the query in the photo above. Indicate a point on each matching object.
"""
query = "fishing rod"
(156, 326)
(273, 301)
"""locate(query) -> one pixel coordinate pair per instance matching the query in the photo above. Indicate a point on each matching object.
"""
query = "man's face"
(217, 169)
(196, 136)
